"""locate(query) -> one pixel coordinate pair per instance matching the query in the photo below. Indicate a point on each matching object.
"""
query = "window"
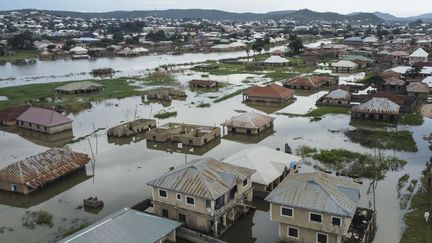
(288, 212)
(208, 204)
(321, 238)
(293, 232)
(190, 201)
(314, 217)
(164, 213)
(245, 182)
(336, 221)
(163, 193)
(179, 196)
(182, 217)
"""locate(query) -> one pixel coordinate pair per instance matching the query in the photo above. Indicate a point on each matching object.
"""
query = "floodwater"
(124, 166)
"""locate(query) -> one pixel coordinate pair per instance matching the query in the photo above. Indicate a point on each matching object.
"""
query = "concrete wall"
(336, 102)
(267, 100)
(5, 186)
(304, 235)
(255, 131)
(44, 129)
(301, 221)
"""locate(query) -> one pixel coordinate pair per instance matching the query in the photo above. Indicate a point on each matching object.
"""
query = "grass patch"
(158, 77)
(403, 180)
(165, 114)
(417, 229)
(304, 151)
(40, 217)
(74, 230)
(228, 96)
(324, 110)
(45, 94)
(411, 119)
(203, 105)
(20, 54)
(397, 140)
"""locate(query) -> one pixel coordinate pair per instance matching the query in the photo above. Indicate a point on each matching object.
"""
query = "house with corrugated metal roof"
(248, 123)
(127, 225)
(80, 87)
(376, 108)
(418, 89)
(344, 66)
(34, 172)
(309, 82)
(205, 194)
(8, 116)
(337, 97)
(393, 84)
(419, 55)
(313, 207)
(271, 167)
(44, 120)
(272, 93)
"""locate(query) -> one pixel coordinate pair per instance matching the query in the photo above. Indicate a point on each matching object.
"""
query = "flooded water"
(3, 98)
(124, 166)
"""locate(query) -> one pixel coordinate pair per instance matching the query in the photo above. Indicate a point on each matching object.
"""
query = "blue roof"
(127, 225)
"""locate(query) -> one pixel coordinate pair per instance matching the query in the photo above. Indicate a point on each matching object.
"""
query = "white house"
(419, 55)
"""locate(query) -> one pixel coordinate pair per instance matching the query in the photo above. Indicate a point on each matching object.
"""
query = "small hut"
(197, 83)
(338, 96)
(248, 123)
(272, 93)
(376, 108)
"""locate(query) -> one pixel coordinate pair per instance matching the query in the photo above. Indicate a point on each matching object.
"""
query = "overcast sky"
(396, 7)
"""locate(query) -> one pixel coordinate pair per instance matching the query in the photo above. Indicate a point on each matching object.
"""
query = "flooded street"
(124, 166)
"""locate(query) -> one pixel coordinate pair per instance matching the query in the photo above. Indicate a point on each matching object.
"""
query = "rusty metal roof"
(378, 106)
(35, 171)
(417, 87)
(204, 178)
(394, 81)
(317, 192)
(43, 117)
(269, 91)
(251, 120)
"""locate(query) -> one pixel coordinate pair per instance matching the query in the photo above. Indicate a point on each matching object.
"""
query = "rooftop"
(249, 120)
(378, 106)
(43, 117)
(269, 91)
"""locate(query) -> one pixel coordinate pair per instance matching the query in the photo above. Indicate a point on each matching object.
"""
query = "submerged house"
(376, 108)
(80, 87)
(272, 93)
(393, 84)
(36, 171)
(344, 66)
(417, 89)
(271, 167)
(205, 194)
(276, 61)
(249, 123)
(313, 207)
(127, 225)
(198, 83)
(338, 96)
(188, 134)
(308, 82)
(9, 116)
(44, 120)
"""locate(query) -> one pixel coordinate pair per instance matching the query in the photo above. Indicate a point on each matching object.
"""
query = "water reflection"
(174, 147)
(42, 139)
(268, 108)
(47, 192)
(126, 140)
(249, 138)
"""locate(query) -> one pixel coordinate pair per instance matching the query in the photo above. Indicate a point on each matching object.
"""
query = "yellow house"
(313, 207)
(207, 195)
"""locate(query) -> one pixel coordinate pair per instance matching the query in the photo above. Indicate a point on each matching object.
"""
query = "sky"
(400, 8)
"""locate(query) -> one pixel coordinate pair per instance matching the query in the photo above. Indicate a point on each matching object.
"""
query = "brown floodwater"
(124, 166)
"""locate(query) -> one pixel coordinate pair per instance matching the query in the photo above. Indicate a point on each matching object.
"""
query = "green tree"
(117, 37)
(156, 36)
(295, 45)
(22, 41)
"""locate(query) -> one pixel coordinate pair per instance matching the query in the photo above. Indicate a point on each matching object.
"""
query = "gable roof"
(394, 81)
(269, 91)
(249, 120)
(342, 63)
(42, 168)
(357, 58)
(317, 192)
(12, 113)
(204, 178)
(76, 86)
(398, 99)
(378, 106)
(309, 81)
(417, 87)
(126, 225)
(43, 117)
(338, 94)
(419, 53)
(276, 59)
(268, 163)
(428, 81)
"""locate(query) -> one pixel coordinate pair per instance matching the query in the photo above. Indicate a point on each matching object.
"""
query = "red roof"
(390, 74)
(269, 91)
(398, 99)
(11, 114)
(43, 117)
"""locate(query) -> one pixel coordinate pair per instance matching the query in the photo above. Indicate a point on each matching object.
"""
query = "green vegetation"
(412, 185)
(397, 140)
(304, 151)
(417, 229)
(228, 96)
(203, 105)
(19, 54)
(279, 75)
(403, 180)
(45, 94)
(411, 119)
(40, 217)
(159, 77)
(358, 164)
(372, 78)
(165, 114)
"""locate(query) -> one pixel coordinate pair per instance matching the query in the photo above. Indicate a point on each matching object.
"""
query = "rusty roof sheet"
(309, 81)
(378, 106)
(204, 178)
(398, 99)
(11, 114)
(269, 91)
(251, 120)
(43, 117)
(317, 192)
(35, 171)
(394, 81)
(417, 87)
